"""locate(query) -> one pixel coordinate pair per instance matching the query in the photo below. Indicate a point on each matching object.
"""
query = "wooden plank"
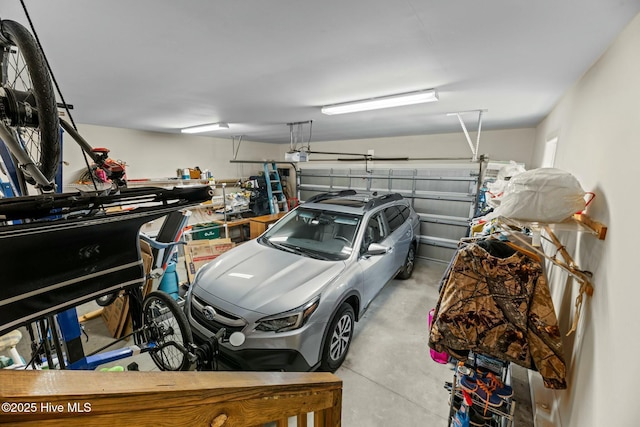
(257, 410)
(85, 383)
(301, 420)
(599, 229)
(335, 411)
(170, 398)
(90, 315)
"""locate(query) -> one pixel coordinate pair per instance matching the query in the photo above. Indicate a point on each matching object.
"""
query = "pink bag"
(440, 357)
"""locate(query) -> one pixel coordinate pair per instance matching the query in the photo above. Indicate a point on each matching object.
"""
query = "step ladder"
(274, 189)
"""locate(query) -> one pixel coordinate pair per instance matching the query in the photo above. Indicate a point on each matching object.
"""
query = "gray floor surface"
(388, 376)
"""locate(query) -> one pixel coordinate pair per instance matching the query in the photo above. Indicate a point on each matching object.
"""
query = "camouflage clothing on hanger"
(499, 306)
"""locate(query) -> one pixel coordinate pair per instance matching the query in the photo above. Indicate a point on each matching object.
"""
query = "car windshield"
(314, 233)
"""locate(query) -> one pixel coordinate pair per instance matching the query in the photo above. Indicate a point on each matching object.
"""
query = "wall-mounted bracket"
(474, 148)
(579, 223)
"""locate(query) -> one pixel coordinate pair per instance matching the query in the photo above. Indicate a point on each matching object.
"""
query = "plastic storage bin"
(205, 231)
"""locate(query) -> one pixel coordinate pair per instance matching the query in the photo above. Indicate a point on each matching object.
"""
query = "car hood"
(265, 280)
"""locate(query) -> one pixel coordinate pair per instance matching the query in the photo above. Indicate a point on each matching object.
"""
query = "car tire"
(338, 339)
(409, 264)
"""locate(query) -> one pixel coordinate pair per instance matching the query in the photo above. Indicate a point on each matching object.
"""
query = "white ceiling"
(161, 65)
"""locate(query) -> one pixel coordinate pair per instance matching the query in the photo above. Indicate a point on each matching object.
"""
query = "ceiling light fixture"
(409, 98)
(205, 128)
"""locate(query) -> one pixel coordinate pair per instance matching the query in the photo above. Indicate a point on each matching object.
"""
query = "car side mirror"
(376, 249)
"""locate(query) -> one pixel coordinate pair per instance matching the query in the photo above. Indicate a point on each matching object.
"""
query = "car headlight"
(196, 278)
(289, 320)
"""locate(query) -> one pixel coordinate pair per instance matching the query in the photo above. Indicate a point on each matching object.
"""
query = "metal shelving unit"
(502, 416)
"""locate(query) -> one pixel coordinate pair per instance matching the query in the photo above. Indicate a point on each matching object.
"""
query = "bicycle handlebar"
(159, 245)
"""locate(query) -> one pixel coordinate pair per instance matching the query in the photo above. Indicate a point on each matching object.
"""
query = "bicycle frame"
(66, 327)
(10, 138)
(25, 161)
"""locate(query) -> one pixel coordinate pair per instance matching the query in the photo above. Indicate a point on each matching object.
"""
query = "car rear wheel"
(409, 264)
(338, 339)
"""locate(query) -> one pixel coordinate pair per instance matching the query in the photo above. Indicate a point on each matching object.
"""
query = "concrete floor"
(388, 377)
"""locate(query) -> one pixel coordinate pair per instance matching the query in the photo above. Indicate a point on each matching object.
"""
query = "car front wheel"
(338, 340)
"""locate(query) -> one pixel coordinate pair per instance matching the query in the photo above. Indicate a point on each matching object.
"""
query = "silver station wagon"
(296, 291)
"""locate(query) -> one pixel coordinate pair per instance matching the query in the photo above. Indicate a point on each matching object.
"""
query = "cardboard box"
(115, 315)
(199, 252)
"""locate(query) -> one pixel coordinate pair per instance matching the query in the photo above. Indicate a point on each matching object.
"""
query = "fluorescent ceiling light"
(410, 98)
(205, 128)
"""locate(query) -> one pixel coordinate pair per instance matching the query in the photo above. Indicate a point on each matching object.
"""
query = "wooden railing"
(220, 399)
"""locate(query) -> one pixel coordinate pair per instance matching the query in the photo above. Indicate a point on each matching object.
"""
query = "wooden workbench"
(259, 224)
(234, 223)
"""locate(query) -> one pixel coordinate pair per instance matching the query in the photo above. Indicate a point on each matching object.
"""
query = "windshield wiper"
(310, 253)
(281, 246)
(296, 250)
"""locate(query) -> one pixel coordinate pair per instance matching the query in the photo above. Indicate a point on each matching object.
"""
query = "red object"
(293, 202)
(467, 398)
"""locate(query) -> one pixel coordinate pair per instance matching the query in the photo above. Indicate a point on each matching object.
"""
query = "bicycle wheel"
(23, 70)
(164, 323)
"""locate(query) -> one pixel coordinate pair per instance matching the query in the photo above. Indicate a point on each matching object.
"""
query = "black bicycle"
(60, 250)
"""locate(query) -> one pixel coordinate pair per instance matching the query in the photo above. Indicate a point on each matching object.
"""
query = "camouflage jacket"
(499, 306)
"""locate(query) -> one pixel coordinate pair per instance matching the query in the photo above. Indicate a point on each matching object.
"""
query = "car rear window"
(405, 212)
(394, 217)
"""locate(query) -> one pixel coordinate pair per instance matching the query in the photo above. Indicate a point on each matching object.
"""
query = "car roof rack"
(330, 195)
(382, 199)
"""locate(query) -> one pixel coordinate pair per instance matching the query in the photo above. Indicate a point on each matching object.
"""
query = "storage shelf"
(506, 412)
(578, 223)
(502, 415)
(179, 181)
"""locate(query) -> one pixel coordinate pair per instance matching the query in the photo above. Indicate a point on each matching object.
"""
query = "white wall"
(159, 155)
(515, 144)
(597, 124)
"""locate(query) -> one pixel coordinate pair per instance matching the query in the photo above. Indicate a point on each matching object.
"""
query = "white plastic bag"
(542, 195)
(496, 189)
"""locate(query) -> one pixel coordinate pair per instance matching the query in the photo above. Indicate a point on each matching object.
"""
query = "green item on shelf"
(206, 231)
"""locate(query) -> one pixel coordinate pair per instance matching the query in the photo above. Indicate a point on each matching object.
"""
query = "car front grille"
(223, 319)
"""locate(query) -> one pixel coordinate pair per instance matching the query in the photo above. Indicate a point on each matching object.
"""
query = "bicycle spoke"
(19, 74)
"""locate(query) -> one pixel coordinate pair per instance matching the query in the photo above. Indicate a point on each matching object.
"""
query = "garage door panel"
(443, 196)
(436, 253)
(445, 231)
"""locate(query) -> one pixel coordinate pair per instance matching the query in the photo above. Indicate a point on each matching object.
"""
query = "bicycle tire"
(46, 147)
(159, 309)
